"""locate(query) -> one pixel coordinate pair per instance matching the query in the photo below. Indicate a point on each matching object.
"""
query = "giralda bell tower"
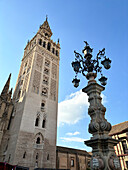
(32, 140)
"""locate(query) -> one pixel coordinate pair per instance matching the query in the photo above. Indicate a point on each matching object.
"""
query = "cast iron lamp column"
(103, 154)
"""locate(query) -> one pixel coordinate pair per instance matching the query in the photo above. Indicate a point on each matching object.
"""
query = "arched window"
(48, 157)
(56, 53)
(44, 91)
(49, 46)
(37, 121)
(24, 155)
(43, 123)
(53, 50)
(38, 140)
(46, 34)
(40, 41)
(44, 44)
(19, 94)
(42, 104)
(36, 156)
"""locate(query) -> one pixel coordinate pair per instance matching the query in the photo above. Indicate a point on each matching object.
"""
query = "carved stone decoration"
(97, 163)
(93, 127)
(98, 125)
(102, 144)
(114, 162)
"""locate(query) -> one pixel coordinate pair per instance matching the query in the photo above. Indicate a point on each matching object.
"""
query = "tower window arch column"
(49, 46)
(43, 123)
(40, 41)
(38, 140)
(37, 121)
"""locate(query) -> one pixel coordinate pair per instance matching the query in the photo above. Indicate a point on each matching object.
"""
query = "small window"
(47, 63)
(46, 34)
(19, 94)
(37, 121)
(46, 71)
(53, 50)
(43, 123)
(42, 104)
(44, 44)
(124, 145)
(72, 162)
(25, 64)
(21, 82)
(36, 156)
(24, 155)
(49, 46)
(48, 157)
(35, 42)
(28, 69)
(45, 80)
(40, 41)
(56, 53)
(38, 140)
(44, 91)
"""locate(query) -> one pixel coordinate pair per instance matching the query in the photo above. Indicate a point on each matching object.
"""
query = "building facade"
(73, 159)
(120, 132)
(30, 140)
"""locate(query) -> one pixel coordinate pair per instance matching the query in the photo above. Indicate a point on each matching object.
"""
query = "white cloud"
(72, 139)
(73, 134)
(73, 108)
(104, 98)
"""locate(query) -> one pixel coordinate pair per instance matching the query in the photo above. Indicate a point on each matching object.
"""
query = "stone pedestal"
(103, 154)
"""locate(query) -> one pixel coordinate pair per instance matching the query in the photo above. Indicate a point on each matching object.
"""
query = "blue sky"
(101, 23)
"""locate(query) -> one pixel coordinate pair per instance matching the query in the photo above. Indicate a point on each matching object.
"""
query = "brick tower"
(32, 132)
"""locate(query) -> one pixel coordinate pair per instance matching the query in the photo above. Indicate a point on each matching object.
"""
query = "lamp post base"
(103, 154)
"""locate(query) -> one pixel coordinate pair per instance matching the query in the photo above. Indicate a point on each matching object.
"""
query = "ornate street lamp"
(87, 64)
(103, 154)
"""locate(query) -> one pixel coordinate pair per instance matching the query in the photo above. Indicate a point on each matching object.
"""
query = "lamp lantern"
(103, 80)
(76, 66)
(87, 51)
(106, 63)
(75, 82)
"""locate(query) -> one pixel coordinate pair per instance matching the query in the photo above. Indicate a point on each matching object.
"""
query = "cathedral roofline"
(6, 86)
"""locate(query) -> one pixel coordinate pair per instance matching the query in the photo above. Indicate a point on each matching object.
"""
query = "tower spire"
(6, 87)
(46, 28)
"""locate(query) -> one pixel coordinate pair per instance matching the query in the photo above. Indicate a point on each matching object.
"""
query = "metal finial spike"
(58, 40)
(86, 43)
(46, 17)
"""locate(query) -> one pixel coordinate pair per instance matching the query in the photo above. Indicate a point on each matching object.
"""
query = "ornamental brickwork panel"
(36, 81)
(53, 90)
(54, 71)
(39, 62)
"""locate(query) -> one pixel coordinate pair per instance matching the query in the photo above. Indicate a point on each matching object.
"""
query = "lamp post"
(103, 154)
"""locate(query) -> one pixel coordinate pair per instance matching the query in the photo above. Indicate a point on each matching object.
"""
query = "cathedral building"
(28, 123)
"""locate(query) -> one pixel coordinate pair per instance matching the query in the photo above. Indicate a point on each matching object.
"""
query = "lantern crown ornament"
(86, 64)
